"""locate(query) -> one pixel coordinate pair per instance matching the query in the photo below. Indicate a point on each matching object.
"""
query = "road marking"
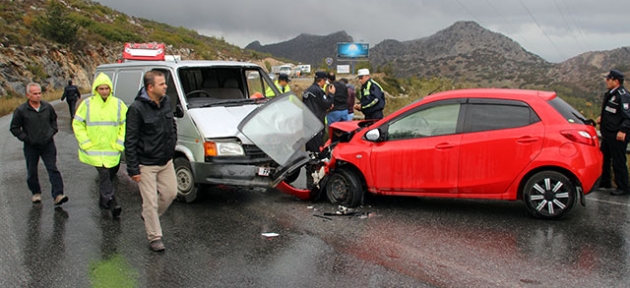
(609, 202)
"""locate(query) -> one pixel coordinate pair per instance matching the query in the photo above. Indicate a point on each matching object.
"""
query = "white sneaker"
(60, 199)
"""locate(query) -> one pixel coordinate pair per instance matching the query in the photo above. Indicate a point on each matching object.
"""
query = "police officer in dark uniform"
(71, 94)
(614, 126)
(371, 96)
(315, 99)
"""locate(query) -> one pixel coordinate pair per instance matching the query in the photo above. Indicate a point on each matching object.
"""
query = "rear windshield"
(568, 112)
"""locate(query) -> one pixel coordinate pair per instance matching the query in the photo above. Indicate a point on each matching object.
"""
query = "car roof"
(500, 93)
(179, 64)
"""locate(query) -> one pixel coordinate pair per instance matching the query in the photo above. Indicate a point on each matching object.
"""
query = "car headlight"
(223, 149)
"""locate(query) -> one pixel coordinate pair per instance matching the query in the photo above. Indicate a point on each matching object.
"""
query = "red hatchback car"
(476, 143)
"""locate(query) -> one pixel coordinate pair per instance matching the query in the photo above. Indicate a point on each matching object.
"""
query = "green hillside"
(81, 23)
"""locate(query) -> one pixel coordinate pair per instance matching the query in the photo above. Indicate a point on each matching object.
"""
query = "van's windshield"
(223, 86)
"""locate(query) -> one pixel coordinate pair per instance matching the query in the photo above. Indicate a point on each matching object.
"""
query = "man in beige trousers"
(151, 135)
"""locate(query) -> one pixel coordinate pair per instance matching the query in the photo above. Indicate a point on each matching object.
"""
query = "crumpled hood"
(346, 126)
(221, 122)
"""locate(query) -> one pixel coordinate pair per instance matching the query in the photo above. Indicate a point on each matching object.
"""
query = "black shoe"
(619, 192)
(103, 205)
(116, 209)
(605, 188)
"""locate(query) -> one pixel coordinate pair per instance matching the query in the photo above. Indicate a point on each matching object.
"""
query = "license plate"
(264, 171)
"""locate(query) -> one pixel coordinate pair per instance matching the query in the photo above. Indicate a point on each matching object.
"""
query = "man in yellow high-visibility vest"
(99, 126)
(282, 84)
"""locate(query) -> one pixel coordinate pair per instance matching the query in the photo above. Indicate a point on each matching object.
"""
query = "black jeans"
(48, 153)
(71, 105)
(614, 151)
(106, 178)
(316, 142)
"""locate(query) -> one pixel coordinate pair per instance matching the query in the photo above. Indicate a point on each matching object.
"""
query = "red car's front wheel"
(344, 188)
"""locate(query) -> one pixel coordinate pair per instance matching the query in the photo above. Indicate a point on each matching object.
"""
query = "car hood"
(281, 127)
(346, 126)
(220, 122)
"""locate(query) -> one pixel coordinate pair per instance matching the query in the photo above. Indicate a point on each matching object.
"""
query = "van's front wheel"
(186, 187)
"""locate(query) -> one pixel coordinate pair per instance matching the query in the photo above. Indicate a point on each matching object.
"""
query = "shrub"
(37, 70)
(56, 25)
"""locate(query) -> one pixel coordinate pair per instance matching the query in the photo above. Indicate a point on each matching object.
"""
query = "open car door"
(281, 128)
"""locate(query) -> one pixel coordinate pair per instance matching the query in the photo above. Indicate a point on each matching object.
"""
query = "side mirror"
(179, 111)
(373, 135)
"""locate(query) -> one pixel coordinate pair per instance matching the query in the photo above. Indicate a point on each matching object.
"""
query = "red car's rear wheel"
(549, 195)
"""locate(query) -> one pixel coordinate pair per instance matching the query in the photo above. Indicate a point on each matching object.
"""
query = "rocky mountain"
(305, 48)
(464, 51)
(585, 70)
(467, 52)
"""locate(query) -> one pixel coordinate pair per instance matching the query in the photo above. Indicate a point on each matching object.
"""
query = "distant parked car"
(286, 70)
(478, 143)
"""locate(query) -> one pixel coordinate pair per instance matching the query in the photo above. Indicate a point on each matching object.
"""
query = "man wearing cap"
(282, 83)
(372, 97)
(614, 126)
(315, 99)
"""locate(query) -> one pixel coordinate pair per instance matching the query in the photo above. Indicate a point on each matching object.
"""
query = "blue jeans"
(337, 116)
(48, 153)
(350, 116)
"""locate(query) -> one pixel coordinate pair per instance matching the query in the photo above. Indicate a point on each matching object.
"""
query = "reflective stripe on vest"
(99, 153)
(88, 122)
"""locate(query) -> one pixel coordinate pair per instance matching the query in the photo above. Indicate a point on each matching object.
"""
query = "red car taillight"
(579, 136)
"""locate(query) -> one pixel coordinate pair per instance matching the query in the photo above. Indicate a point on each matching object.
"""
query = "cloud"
(554, 29)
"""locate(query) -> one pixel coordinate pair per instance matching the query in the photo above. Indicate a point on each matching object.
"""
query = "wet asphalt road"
(217, 241)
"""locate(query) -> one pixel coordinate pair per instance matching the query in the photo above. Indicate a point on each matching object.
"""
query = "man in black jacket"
(340, 101)
(614, 126)
(151, 134)
(315, 99)
(71, 94)
(35, 124)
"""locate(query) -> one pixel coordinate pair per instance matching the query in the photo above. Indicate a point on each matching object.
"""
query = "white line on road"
(608, 202)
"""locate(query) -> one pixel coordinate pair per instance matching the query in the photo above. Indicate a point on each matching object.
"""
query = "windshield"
(223, 85)
(281, 127)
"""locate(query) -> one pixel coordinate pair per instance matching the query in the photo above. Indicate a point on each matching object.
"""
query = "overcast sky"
(554, 29)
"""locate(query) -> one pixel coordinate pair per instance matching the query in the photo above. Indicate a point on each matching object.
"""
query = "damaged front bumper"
(314, 192)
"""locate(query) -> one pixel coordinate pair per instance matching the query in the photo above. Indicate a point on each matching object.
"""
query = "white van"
(211, 99)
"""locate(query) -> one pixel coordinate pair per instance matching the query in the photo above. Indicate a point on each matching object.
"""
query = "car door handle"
(527, 140)
(443, 146)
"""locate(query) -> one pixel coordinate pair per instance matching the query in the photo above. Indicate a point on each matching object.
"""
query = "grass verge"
(9, 103)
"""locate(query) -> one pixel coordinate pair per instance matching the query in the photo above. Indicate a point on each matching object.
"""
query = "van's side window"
(171, 90)
(128, 81)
